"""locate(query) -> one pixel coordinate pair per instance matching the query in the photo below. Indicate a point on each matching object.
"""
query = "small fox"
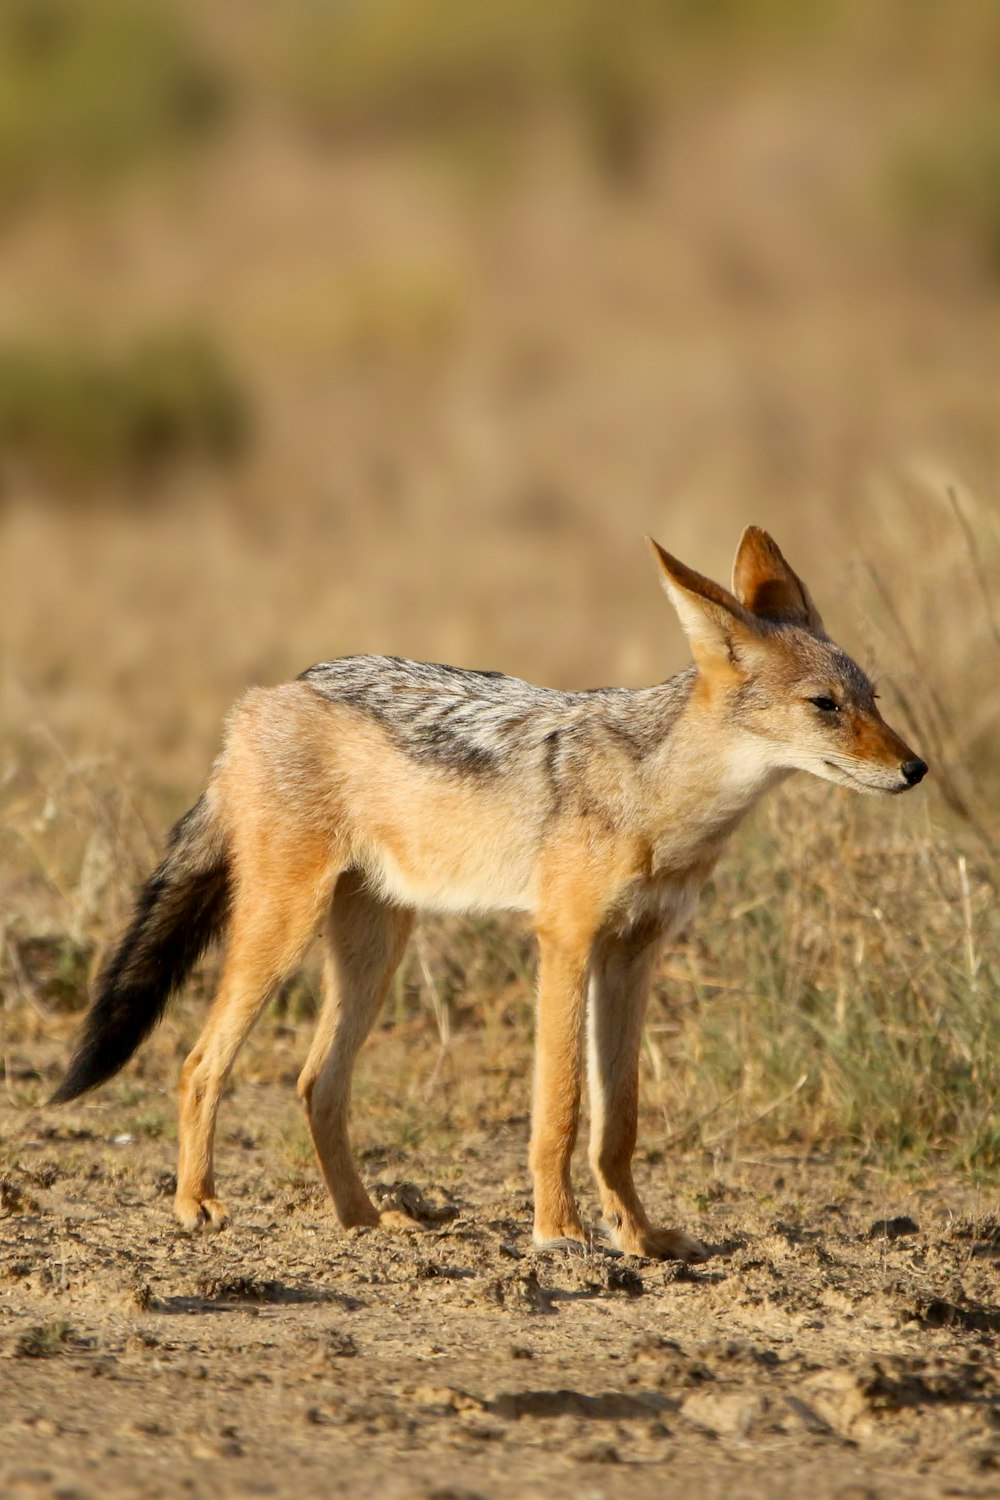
(373, 787)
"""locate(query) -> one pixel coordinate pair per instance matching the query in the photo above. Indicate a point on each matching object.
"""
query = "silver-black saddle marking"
(476, 722)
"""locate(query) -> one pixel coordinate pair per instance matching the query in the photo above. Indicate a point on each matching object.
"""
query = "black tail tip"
(63, 1095)
(71, 1088)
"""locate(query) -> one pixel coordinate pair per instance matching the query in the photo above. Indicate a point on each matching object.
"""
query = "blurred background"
(392, 326)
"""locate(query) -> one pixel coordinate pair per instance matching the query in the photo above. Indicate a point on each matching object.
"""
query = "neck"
(702, 779)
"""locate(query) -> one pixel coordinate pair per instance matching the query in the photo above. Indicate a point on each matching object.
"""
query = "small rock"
(217, 1448)
(137, 1296)
(836, 1397)
(599, 1452)
(621, 1278)
(337, 1345)
(727, 1413)
(446, 1399)
(986, 1458)
(14, 1200)
(893, 1229)
(807, 1418)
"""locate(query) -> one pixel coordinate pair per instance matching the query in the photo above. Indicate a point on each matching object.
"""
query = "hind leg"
(272, 923)
(365, 942)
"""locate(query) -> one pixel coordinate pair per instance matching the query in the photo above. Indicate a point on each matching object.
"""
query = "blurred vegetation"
(460, 75)
(947, 185)
(68, 414)
(89, 88)
(464, 76)
(55, 969)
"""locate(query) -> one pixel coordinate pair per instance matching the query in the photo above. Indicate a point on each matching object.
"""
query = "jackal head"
(767, 663)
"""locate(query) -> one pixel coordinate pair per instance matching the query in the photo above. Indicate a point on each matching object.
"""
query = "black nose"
(913, 771)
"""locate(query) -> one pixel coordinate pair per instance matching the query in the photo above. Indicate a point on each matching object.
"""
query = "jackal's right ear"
(766, 586)
(714, 621)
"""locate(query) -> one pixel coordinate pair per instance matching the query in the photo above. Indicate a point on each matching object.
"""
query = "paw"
(396, 1221)
(404, 1206)
(201, 1213)
(591, 1244)
(568, 1237)
(660, 1244)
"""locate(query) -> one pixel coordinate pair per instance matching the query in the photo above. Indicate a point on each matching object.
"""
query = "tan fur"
(329, 817)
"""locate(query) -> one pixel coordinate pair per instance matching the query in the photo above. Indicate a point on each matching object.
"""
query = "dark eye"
(826, 704)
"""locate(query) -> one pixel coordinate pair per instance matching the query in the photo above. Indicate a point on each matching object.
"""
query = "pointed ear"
(715, 623)
(766, 586)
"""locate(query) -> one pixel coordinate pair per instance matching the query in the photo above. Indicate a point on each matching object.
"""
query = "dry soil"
(840, 1342)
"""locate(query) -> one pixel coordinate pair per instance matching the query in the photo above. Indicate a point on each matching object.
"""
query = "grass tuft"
(68, 415)
(44, 1341)
(90, 91)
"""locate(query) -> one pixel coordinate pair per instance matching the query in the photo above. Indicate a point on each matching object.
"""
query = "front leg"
(562, 996)
(620, 975)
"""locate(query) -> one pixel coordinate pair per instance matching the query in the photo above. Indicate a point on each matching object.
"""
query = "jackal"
(373, 787)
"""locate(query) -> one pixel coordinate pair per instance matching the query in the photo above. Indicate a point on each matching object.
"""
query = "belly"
(447, 843)
(455, 864)
(479, 884)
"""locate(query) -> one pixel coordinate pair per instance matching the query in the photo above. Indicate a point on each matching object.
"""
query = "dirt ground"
(841, 1341)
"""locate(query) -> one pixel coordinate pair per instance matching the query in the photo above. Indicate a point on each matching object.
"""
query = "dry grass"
(836, 992)
(471, 397)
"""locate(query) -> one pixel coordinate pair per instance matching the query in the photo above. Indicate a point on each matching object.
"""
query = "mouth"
(866, 786)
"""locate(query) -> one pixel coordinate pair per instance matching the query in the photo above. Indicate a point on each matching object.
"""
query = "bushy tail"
(181, 908)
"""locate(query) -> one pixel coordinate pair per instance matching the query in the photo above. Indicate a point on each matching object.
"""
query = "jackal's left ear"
(765, 584)
(720, 630)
